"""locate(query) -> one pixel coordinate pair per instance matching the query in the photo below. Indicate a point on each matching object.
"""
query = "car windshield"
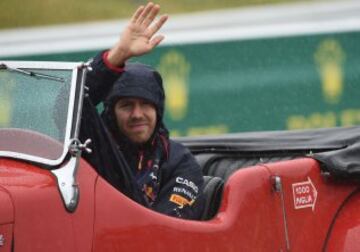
(35, 120)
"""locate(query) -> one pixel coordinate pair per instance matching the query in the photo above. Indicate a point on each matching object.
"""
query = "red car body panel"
(41, 221)
(6, 220)
(308, 227)
(243, 223)
(251, 215)
(345, 233)
(7, 208)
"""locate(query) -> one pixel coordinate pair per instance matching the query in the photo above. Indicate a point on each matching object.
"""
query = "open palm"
(139, 38)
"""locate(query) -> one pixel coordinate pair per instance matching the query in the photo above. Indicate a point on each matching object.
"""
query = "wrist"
(111, 64)
(117, 56)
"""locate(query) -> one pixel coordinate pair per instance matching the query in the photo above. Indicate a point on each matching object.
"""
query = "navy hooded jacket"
(173, 174)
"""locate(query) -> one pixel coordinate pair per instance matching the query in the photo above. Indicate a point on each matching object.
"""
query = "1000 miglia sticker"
(304, 194)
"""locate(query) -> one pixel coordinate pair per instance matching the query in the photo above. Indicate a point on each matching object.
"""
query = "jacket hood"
(138, 81)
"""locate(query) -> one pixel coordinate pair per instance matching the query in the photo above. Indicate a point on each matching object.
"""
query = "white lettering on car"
(188, 183)
(304, 194)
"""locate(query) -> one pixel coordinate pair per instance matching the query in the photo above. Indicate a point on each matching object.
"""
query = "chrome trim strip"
(278, 187)
(52, 65)
(85, 68)
(69, 119)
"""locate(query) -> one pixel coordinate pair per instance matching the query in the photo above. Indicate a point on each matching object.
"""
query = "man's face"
(136, 118)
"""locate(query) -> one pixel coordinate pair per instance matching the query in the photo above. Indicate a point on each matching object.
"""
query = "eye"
(147, 104)
(124, 105)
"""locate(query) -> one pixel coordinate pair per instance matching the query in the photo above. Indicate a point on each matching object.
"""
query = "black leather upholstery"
(213, 188)
(223, 166)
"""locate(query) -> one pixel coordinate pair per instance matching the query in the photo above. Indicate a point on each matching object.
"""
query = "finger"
(145, 12)
(153, 13)
(157, 25)
(156, 40)
(137, 14)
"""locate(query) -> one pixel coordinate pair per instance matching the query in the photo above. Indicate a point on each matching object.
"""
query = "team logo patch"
(180, 200)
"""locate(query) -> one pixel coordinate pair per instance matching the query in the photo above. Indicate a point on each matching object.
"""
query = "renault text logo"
(329, 58)
(175, 71)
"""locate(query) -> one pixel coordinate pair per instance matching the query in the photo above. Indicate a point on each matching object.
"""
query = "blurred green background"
(20, 13)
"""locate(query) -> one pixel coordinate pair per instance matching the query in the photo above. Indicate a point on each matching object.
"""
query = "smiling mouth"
(138, 126)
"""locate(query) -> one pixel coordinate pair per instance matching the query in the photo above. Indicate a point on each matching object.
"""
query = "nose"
(137, 111)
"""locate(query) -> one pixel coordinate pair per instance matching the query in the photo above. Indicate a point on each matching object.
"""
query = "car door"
(249, 219)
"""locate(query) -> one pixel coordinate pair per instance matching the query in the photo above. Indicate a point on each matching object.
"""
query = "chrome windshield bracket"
(66, 175)
(66, 179)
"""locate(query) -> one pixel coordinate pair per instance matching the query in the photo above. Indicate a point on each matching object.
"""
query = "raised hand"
(138, 37)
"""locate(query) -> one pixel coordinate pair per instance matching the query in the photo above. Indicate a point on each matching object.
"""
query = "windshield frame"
(74, 106)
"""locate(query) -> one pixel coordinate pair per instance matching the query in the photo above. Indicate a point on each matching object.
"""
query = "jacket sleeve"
(100, 79)
(181, 188)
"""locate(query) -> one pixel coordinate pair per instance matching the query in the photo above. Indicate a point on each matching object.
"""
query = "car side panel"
(7, 207)
(345, 233)
(6, 220)
(41, 220)
(309, 216)
(249, 218)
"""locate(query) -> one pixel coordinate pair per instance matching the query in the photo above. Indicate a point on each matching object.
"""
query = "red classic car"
(265, 191)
